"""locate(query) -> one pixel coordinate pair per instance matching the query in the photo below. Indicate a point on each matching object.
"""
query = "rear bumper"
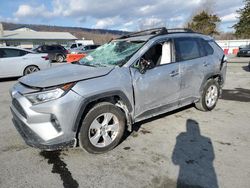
(243, 55)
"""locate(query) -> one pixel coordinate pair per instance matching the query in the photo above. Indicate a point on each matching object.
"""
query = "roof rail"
(156, 32)
(184, 30)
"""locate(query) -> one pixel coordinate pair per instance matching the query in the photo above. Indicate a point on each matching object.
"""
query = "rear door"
(192, 63)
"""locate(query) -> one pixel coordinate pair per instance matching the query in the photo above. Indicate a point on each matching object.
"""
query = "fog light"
(55, 123)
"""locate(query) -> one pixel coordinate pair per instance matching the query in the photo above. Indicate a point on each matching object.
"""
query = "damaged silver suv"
(92, 102)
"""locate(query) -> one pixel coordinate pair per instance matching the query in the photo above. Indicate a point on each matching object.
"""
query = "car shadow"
(8, 79)
(194, 155)
(246, 68)
(237, 94)
(137, 126)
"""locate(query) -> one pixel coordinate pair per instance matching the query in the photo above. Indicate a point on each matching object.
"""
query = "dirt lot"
(185, 147)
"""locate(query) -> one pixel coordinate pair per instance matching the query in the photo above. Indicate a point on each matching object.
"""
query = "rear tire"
(102, 128)
(59, 58)
(209, 97)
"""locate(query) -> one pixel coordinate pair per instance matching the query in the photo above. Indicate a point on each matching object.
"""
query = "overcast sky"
(116, 14)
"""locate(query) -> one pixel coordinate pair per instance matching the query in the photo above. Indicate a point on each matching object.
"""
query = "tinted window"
(208, 49)
(202, 49)
(50, 48)
(93, 47)
(87, 47)
(2, 53)
(59, 48)
(12, 53)
(73, 46)
(186, 49)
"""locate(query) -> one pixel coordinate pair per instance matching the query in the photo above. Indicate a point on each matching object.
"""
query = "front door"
(159, 87)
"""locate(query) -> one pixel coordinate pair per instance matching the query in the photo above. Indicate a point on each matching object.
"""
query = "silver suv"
(92, 102)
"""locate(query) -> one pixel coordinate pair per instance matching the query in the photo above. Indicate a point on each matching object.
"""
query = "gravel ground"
(184, 147)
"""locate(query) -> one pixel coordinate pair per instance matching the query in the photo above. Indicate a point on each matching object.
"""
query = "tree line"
(207, 23)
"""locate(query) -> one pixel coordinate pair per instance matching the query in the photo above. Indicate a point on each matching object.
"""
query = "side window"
(186, 49)
(208, 48)
(11, 53)
(50, 48)
(58, 48)
(2, 53)
(154, 54)
(22, 52)
(79, 44)
(73, 46)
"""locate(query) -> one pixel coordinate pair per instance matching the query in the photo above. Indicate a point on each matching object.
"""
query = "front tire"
(102, 128)
(209, 97)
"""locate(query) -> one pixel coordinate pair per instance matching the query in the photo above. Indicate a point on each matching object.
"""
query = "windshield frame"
(143, 42)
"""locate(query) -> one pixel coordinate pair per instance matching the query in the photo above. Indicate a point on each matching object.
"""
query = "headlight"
(44, 96)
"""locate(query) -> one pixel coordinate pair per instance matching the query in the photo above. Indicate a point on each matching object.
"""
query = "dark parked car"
(244, 52)
(56, 52)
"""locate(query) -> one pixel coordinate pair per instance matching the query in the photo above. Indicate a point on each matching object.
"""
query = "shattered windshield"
(112, 53)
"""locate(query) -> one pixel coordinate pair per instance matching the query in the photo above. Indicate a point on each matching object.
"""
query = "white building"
(28, 38)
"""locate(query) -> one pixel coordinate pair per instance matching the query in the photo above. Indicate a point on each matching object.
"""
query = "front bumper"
(33, 140)
(47, 126)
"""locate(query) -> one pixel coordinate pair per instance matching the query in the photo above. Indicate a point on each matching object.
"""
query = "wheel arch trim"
(86, 101)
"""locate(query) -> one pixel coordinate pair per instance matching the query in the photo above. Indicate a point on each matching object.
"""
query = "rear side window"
(59, 48)
(186, 49)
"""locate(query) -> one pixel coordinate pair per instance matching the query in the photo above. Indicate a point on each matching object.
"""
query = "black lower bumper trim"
(52, 147)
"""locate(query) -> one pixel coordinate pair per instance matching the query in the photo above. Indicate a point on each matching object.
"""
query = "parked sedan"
(20, 62)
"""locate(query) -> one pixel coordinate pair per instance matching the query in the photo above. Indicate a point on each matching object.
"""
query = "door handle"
(174, 73)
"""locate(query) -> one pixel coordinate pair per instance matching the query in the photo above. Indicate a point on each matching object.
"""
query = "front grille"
(19, 108)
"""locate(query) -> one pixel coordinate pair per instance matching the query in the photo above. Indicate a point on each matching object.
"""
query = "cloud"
(230, 17)
(129, 14)
(28, 11)
(152, 22)
(107, 22)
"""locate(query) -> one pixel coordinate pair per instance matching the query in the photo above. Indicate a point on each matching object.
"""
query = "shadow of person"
(194, 154)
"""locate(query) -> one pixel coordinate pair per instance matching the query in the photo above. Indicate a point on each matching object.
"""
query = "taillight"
(45, 57)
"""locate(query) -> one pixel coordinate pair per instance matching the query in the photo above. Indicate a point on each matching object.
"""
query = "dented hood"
(63, 74)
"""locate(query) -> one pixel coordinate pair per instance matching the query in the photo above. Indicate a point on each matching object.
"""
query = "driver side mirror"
(144, 65)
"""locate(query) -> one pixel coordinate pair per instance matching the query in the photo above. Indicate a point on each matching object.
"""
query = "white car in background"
(19, 62)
